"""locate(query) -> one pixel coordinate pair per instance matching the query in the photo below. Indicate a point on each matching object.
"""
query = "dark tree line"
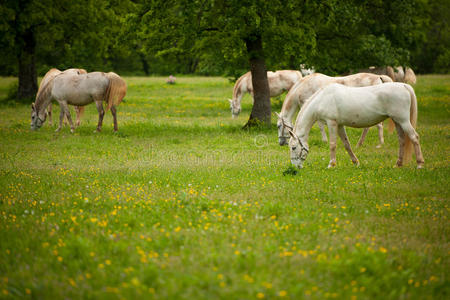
(228, 38)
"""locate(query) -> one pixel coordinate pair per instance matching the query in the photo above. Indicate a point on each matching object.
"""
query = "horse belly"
(360, 116)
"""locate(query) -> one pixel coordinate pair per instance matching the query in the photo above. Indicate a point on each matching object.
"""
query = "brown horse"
(71, 87)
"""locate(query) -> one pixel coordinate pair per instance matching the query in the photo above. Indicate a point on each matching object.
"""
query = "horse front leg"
(344, 138)
(79, 112)
(49, 113)
(61, 117)
(66, 109)
(114, 114)
(332, 129)
(380, 134)
(322, 131)
(101, 114)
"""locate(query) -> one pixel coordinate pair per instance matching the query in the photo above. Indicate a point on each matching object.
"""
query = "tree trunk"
(261, 110)
(145, 66)
(27, 65)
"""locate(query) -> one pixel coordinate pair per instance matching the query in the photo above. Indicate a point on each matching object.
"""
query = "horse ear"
(278, 115)
(32, 106)
(231, 101)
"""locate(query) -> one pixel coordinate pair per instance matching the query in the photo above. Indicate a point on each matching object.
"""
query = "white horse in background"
(340, 106)
(306, 71)
(79, 110)
(72, 88)
(397, 74)
(307, 86)
(279, 82)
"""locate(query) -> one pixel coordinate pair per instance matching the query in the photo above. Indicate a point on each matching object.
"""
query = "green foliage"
(208, 37)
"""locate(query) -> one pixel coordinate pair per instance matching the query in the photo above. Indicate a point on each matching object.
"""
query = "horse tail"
(410, 77)
(116, 90)
(407, 155)
(385, 78)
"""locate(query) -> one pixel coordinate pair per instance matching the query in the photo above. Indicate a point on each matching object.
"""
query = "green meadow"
(182, 203)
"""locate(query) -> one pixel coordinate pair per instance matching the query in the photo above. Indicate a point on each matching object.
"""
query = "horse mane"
(47, 77)
(44, 92)
(306, 105)
(238, 83)
(116, 90)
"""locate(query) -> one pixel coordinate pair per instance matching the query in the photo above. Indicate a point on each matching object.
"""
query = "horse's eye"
(293, 148)
(32, 117)
(279, 126)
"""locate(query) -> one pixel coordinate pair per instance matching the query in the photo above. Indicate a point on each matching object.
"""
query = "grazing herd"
(360, 100)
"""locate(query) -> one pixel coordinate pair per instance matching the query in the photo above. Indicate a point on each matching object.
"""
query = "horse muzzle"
(282, 141)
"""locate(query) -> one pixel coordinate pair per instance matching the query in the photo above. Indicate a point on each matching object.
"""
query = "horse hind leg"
(101, 114)
(414, 137)
(363, 137)
(401, 144)
(344, 138)
(114, 114)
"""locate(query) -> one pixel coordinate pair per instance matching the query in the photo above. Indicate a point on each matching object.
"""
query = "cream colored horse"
(340, 106)
(279, 82)
(306, 87)
(79, 90)
(397, 74)
(79, 110)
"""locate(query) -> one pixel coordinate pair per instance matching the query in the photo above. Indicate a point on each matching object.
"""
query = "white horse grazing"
(340, 106)
(73, 88)
(279, 82)
(306, 87)
(79, 110)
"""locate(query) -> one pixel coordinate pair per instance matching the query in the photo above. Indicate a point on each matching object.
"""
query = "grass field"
(183, 204)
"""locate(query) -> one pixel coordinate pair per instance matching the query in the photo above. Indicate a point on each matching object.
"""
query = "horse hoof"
(420, 166)
(378, 146)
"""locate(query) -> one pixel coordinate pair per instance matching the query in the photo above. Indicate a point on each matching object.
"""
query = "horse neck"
(289, 107)
(238, 91)
(305, 120)
(44, 97)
